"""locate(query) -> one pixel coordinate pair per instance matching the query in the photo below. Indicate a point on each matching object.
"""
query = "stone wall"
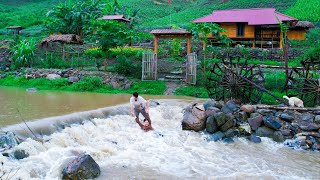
(229, 120)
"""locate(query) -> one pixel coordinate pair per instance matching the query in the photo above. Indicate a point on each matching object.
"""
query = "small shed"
(15, 29)
(63, 39)
(119, 18)
(171, 33)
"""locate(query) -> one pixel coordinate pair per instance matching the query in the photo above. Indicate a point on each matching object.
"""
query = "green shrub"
(88, 84)
(22, 53)
(128, 52)
(125, 67)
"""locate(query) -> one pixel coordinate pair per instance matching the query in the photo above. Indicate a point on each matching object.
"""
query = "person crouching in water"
(139, 105)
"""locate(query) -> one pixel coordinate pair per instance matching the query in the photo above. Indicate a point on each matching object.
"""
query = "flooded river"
(124, 151)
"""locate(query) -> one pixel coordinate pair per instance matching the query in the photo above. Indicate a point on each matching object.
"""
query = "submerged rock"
(20, 154)
(254, 138)
(216, 136)
(82, 167)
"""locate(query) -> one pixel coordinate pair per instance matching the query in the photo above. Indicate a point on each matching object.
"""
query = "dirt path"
(171, 87)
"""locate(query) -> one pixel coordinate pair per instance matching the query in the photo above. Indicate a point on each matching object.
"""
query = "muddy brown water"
(17, 103)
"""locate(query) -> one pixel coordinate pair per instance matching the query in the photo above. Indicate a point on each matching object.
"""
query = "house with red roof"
(258, 27)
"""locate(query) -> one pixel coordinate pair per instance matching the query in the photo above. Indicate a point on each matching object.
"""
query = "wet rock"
(229, 124)
(194, 120)
(286, 117)
(216, 136)
(252, 115)
(199, 112)
(244, 129)
(82, 167)
(73, 79)
(32, 90)
(209, 104)
(316, 112)
(53, 76)
(153, 103)
(232, 132)
(265, 112)
(211, 125)
(20, 154)
(310, 127)
(254, 138)
(220, 118)
(247, 108)
(210, 111)
(278, 137)
(243, 116)
(255, 122)
(264, 132)
(271, 123)
(317, 119)
(8, 140)
(228, 140)
(307, 117)
(285, 132)
(229, 107)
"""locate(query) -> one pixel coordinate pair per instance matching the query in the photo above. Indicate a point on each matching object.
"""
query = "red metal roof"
(257, 16)
(115, 17)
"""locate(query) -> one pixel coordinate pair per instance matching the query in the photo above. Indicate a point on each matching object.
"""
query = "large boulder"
(194, 119)
(82, 167)
(317, 119)
(211, 111)
(220, 118)
(310, 127)
(53, 76)
(211, 125)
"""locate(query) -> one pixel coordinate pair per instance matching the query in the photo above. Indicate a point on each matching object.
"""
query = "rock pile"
(225, 121)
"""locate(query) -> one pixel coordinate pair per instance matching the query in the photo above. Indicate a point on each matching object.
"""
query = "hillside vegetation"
(157, 13)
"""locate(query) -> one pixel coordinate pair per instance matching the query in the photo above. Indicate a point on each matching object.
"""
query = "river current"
(124, 151)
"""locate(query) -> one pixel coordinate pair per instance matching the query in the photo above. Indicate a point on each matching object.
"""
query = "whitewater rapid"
(124, 151)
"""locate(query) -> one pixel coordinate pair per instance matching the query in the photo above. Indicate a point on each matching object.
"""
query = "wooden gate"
(191, 69)
(149, 66)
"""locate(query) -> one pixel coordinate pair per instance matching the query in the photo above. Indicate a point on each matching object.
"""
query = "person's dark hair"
(135, 94)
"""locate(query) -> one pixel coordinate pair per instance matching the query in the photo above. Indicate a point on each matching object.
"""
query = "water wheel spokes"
(226, 81)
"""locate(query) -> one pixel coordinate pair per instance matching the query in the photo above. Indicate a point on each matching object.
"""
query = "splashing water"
(124, 151)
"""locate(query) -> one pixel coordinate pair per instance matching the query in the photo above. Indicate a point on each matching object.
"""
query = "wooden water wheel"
(305, 82)
(234, 80)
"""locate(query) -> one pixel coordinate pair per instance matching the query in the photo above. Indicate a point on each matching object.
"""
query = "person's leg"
(136, 113)
(146, 115)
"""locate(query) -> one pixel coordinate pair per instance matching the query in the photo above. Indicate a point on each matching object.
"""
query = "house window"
(240, 29)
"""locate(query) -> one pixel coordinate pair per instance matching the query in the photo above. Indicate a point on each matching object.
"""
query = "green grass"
(308, 10)
(89, 84)
(194, 91)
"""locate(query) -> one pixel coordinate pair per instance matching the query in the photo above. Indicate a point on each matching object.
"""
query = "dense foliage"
(155, 13)
(73, 17)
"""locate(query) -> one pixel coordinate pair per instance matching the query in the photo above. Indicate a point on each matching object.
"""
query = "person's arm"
(140, 124)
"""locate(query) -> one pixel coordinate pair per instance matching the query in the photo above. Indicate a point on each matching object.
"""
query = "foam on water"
(124, 151)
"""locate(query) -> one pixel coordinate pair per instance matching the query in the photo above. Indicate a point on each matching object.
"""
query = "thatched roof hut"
(305, 24)
(62, 38)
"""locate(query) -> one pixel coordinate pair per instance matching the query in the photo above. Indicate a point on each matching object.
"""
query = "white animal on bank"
(294, 101)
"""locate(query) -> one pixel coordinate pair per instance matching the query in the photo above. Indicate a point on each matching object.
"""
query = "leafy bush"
(125, 67)
(88, 84)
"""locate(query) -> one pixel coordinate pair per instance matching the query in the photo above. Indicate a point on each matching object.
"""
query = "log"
(285, 108)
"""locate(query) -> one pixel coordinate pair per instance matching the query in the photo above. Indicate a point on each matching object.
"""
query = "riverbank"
(80, 81)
